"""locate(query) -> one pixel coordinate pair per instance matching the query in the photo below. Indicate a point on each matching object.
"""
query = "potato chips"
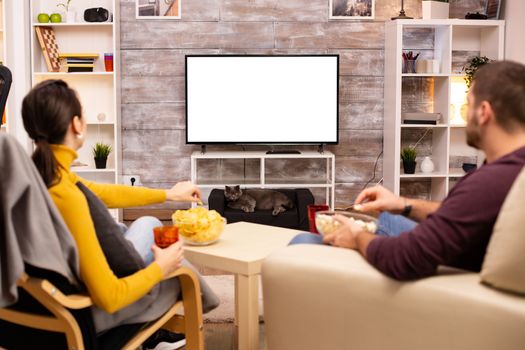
(199, 225)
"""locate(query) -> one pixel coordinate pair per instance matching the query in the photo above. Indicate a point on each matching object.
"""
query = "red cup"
(312, 209)
(166, 235)
(108, 62)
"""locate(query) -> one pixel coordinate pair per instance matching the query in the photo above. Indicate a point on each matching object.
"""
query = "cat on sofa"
(250, 199)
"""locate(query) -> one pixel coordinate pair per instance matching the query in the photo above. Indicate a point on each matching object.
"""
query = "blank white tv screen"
(262, 99)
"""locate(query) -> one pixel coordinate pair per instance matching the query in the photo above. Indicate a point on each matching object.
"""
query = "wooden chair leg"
(191, 298)
(74, 338)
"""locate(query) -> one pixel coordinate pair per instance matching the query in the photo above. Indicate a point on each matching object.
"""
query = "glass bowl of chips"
(199, 226)
(326, 224)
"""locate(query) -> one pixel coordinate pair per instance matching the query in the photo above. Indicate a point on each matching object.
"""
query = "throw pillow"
(122, 257)
(504, 263)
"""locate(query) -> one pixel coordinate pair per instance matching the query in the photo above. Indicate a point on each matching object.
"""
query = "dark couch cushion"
(122, 257)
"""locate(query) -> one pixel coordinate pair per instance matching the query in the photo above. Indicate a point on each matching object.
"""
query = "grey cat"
(250, 199)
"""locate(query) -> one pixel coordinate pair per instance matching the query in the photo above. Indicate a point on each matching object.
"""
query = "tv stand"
(323, 180)
(283, 151)
(203, 149)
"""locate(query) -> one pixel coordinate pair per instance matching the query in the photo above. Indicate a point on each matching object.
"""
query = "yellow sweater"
(107, 291)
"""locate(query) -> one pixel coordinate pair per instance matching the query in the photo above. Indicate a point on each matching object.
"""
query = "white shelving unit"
(327, 181)
(99, 91)
(450, 39)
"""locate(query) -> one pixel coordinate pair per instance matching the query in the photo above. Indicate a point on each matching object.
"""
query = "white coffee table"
(241, 249)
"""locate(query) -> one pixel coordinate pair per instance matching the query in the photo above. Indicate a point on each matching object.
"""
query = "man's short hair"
(502, 84)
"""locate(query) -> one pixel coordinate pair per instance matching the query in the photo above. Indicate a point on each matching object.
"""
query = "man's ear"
(486, 114)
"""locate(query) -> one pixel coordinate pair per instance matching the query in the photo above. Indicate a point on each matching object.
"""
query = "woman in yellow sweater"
(52, 117)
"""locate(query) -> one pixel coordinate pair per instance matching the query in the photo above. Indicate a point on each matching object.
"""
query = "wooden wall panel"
(154, 34)
(361, 62)
(361, 115)
(160, 62)
(273, 10)
(152, 89)
(335, 35)
(144, 116)
(153, 110)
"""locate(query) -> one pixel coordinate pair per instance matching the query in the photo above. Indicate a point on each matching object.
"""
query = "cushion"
(504, 263)
(122, 257)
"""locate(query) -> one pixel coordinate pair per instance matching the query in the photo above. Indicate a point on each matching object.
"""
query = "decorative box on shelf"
(435, 9)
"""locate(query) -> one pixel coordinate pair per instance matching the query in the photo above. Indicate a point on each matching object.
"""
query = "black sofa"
(296, 218)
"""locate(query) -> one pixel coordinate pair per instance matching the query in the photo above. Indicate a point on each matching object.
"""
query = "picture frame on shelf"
(493, 9)
(158, 9)
(352, 9)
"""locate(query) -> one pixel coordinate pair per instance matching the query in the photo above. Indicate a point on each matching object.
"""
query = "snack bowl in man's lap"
(326, 223)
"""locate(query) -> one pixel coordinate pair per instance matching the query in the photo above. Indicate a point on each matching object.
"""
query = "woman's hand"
(169, 259)
(184, 191)
(379, 199)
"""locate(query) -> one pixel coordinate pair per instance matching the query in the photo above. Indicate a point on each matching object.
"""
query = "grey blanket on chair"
(33, 231)
(31, 228)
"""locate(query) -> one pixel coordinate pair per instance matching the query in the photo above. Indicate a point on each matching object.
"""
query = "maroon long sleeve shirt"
(458, 233)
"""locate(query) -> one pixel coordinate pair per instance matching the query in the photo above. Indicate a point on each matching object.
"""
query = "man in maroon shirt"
(456, 231)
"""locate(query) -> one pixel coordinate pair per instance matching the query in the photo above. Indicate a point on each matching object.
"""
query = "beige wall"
(514, 13)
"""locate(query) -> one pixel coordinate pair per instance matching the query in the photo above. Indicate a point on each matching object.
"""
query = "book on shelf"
(79, 61)
(421, 118)
(71, 68)
(93, 56)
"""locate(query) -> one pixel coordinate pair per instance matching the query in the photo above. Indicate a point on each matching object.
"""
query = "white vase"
(435, 9)
(427, 166)
(71, 16)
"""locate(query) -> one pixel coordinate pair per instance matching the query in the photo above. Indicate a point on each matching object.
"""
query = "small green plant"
(101, 150)
(472, 66)
(408, 154)
(65, 5)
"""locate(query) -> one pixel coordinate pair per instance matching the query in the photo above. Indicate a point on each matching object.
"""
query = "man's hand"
(345, 236)
(380, 199)
(184, 191)
(169, 259)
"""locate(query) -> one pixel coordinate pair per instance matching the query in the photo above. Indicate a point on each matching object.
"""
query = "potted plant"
(101, 152)
(435, 9)
(70, 13)
(472, 66)
(408, 155)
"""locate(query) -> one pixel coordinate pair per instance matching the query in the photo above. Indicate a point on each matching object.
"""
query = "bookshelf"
(451, 42)
(99, 91)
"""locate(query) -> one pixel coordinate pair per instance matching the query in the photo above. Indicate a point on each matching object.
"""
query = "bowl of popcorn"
(326, 224)
(199, 226)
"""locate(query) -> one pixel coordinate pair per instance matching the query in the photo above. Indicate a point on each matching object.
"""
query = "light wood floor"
(223, 336)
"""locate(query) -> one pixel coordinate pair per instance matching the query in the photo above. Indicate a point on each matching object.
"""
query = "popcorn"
(199, 225)
(326, 224)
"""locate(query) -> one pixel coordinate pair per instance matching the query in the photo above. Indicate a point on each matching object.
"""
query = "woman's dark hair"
(47, 111)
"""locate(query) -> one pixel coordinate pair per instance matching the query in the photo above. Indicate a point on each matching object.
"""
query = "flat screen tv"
(254, 99)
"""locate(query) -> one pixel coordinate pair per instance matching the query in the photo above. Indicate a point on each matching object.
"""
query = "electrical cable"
(244, 166)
